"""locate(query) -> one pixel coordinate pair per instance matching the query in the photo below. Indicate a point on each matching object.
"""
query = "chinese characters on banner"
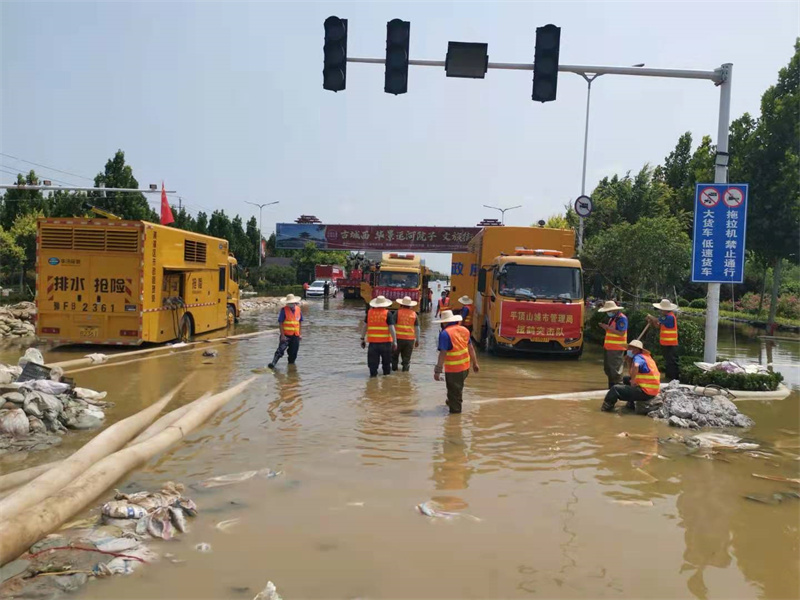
(720, 224)
(549, 320)
(395, 293)
(377, 237)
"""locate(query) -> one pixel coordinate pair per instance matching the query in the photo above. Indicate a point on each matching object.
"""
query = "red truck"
(329, 272)
(351, 285)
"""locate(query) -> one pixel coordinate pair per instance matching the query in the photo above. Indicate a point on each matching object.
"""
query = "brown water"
(541, 475)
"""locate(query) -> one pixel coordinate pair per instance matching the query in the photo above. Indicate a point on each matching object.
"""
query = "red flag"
(166, 211)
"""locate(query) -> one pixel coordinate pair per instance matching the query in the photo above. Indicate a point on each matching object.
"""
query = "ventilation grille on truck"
(92, 239)
(194, 251)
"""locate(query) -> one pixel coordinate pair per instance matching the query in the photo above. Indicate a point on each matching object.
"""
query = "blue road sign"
(720, 224)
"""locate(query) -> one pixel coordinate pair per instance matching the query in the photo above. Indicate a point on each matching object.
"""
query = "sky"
(224, 101)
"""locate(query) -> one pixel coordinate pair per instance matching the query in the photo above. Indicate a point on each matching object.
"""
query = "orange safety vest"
(649, 382)
(291, 323)
(468, 318)
(444, 303)
(378, 326)
(457, 359)
(668, 336)
(615, 340)
(406, 320)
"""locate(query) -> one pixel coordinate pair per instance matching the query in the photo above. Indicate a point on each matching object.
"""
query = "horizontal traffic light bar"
(716, 76)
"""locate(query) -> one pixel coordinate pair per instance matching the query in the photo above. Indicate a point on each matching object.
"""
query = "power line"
(30, 162)
(48, 178)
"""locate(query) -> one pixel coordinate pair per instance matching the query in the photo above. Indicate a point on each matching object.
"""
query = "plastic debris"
(222, 480)
(434, 510)
(683, 408)
(31, 355)
(97, 358)
(634, 502)
(203, 547)
(270, 592)
(211, 353)
(777, 478)
(117, 509)
(227, 524)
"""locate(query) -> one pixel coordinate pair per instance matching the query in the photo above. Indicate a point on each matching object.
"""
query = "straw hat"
(290, 299)
(447, 316)
(609, 306)
(665, 305)
(636, 344)
(380, 302)
(465, 300)
(407, 301)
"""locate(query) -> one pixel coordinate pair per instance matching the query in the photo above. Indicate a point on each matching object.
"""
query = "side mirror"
(482, 281)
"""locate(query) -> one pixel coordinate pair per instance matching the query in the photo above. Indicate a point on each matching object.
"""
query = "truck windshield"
(394, 279)
(534, 281)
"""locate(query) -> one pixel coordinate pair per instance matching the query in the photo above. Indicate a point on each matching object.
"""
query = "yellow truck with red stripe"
(527, 289)
(117, 282)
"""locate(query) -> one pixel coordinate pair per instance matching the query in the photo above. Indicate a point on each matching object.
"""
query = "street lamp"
(260, 236)
(503, 211)
(589, 81)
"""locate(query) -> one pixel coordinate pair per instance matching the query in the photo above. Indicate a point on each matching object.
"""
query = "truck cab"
(234, 295)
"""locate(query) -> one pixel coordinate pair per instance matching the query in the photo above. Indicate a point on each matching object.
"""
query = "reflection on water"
(567, 507)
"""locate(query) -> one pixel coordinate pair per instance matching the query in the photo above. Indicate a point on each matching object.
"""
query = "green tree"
(68, 204)
(773, 217)
(652, 254)
(12, 256)
(183, 220)
(253, 237)
(20, 202)
(128, 205)
(219, 225)
(24, 233)
(240, 245)
(556, 222)
(201, 223)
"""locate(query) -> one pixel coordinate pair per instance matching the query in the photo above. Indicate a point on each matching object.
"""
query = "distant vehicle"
(317, 289)
(351, 285)
(329, 272)
(398, 275)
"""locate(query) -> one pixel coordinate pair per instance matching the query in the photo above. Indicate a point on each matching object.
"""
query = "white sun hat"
(380, 302)
(447, 316)
(609, 306)
(665, 305)
(407, 301)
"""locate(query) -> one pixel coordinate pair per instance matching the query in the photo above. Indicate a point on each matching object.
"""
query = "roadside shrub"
(683, 302)
(698, 303)
(789, 306)
(751, 382)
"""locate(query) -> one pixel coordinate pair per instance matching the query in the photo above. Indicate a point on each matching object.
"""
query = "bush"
(751, 382)
(698, 303)
(683, 302)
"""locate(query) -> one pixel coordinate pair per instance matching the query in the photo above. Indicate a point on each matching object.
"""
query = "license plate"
(89, 332)
(540, 339)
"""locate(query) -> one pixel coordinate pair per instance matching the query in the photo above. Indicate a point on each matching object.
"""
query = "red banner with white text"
(395, 293)
(540, 321)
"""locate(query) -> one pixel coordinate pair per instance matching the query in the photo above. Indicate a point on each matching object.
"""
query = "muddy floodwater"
(544, 478)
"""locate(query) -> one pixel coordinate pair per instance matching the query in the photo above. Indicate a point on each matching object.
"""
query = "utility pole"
(260, 235)
(503, 211)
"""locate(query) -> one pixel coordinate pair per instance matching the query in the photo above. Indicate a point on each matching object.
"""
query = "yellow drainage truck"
(397, 276)
(115, 282)
(528, 291)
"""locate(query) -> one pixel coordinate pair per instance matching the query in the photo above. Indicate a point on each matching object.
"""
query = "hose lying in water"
(83, 362)
(778, 394)
(110, 440)
(17, 478)
(18, 533)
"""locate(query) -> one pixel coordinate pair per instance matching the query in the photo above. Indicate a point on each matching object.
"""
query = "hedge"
(751, 382)
(683, 302)
(698, 303)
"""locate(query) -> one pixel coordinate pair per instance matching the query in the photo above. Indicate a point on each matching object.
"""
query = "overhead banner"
(374, 237)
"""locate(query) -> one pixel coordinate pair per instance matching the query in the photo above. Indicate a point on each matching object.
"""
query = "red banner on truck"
(395, 293)
(374, 237)
(540, 321)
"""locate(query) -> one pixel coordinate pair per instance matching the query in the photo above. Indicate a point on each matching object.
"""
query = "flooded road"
(358, 454)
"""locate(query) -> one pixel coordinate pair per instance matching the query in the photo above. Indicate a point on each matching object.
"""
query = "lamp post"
(589, 79)
(503, 211)
(260, 236)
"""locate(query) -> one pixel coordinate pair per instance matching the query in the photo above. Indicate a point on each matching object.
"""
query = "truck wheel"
(491, 345)
(186, 329)
(231, 315)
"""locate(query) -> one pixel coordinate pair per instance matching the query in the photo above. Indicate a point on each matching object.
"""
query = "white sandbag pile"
(16, 320)
(34, 413)
(681, 407)
(261, 302)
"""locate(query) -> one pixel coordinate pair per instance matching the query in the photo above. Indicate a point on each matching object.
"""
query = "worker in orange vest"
(407, 329)
(668, 336)
(615, 343)
(378, 330)
(289, 319)
(467, 309)
(643, 385)
(456, 355)
(443, 304)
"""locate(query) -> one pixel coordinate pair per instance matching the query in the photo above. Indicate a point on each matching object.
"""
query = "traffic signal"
(545, 63)
(398, 34)
(334, 72)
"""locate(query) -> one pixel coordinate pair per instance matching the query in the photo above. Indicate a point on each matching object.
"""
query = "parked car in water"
(317, 289)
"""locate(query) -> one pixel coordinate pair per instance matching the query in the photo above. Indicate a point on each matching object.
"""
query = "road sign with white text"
(720, 225)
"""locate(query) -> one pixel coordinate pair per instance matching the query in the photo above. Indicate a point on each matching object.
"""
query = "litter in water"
(270, 592)
(773, 499)
(227, 524)
(433, 510)
(203, 547)
(634, 502)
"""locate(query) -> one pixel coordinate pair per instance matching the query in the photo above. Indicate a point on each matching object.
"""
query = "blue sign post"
(720, 225)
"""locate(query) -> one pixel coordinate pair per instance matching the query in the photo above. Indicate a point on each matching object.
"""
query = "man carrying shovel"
(668, 335)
